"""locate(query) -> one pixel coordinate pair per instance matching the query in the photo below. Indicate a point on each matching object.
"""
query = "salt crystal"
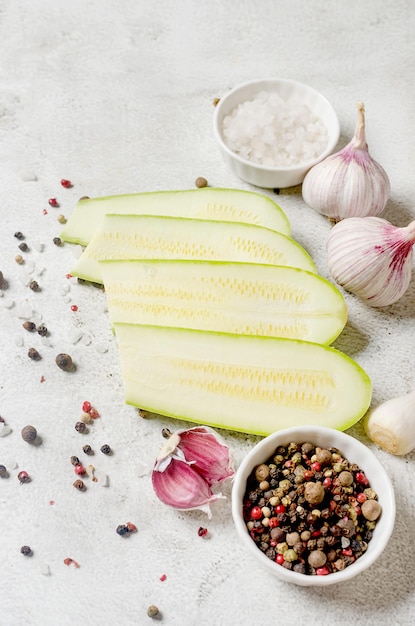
(101, 348)
(28, 175)
(76, 336)
(38, 245)
(4, 430)
(77, 251)
(7, 303)
(18, 340)
(24, 311)
(44, 569)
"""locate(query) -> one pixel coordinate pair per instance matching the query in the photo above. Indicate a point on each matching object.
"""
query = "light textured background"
(116, 95)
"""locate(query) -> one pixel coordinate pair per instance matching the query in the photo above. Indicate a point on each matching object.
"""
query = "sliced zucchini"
(231, 205)
(147, 236)
(242, 298)
(250, 384)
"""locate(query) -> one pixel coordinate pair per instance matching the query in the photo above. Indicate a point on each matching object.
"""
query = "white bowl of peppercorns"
(313, 505)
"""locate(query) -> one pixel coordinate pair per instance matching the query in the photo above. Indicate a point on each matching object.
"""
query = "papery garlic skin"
(371, 258)
(391, 425)
(189, 463)
(349, 183)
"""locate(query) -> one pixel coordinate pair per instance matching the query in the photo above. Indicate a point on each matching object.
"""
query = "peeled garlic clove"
(207, 454)
(391, 425)
(349, 183)
(371, 258)
(182, 487)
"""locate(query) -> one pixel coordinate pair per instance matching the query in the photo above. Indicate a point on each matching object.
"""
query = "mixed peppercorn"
(309, 509)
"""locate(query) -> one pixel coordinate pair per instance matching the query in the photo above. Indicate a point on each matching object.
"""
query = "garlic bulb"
(188, 465)
(371, 258)
(392, 424)
(349, 183)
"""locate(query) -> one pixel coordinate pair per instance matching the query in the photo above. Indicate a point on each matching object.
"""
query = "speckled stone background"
(116, 95)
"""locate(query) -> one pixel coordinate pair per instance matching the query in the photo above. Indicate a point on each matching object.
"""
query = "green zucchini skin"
(239, 298)
(214, 203)
(249, 384)
(148, 236)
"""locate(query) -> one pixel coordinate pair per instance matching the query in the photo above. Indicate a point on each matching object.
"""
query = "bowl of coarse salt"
(272, 131)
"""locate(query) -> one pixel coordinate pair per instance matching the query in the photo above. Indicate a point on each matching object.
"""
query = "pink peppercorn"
(86, 406)
(279, 559)
(280, 508)
(53, 202)
(79, 469)
(361, 478)
(93, 413)
(322, 571)
(256, 512)
(66, 183)
(361, 497)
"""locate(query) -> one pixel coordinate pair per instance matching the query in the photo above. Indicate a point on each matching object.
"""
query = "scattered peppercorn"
(1, 278)
(81, 427)
(277, 191)
(88, 450)
(3, 472)
(42, 330)
(83, 198)
(61, 219)
(126, 529)
(201, 182)
(2, 420)
(86, 406)
(79, 469)
(142, 413)
(64, 362)
(166, 433)
(33, 354)
(152, 611)
(23, 477)
(86, 418)
(57, 241)
(19, 259)
(26, 551)
(30, 326)
(53, 202)
(215, 101)
(79, 484)
(34, 285)
(66, 183)
(29, 434)
(23, 247)
(105, 449)
(19, 235)
(202, 532)
(74, 460)
(93, 413)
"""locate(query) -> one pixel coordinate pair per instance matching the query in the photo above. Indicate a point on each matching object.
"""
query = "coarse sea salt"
(274, 132)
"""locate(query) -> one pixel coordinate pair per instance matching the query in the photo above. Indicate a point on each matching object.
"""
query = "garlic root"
(391, 425)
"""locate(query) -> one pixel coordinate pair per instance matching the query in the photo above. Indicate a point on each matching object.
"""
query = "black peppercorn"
(34, 285)
(23, 247)
(64, 362)
(30, 326)
(80, 427)
(75, 460)
(88, 450)
(42, 330)
(152, 611)
(122, 529)
(105, 449)
(29, 434)
(26, 551)
(19, 235)
(57, 241)
(3, 472)
(33, 354)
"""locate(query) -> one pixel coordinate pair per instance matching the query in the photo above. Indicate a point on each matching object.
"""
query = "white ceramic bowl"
(355, 452)
(260, 175)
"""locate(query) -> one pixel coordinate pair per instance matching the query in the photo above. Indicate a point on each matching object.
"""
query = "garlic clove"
(208, 455)
(186, 467)
(371, 258)
(182, 487)
(391, 425)
(349, 183)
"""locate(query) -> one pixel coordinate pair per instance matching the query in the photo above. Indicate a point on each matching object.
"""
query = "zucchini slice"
(230, 205)
(241, 298)
(147, 236)
(250, 384)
